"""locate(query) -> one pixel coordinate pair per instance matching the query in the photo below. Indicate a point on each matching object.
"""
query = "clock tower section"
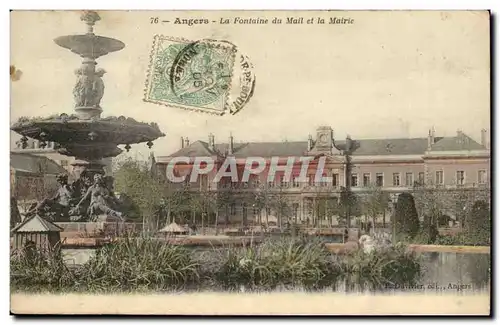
(323, 143)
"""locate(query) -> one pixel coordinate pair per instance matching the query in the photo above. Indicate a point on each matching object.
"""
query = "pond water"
(448, 271)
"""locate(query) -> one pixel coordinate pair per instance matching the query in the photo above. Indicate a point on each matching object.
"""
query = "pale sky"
(390, 74)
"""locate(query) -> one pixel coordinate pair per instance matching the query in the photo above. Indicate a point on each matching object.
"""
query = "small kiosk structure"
(36, 232)
(173, 229)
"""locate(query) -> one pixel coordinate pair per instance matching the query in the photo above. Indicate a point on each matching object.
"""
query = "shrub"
(36, 270)
(428, 234)
(381, 268)
(478, 224)
(138, 263)
(406, 217)
(305, 263)
(462, 239)
(285, 262)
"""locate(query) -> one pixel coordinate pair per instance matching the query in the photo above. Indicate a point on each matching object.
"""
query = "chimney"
(309, 143)
(431, 138)
(186, 142)
(211, 141)
(230, 149)
(483, 138)
(182, 142)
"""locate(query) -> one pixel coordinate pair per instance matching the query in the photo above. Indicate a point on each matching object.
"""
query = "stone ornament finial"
(90, 18)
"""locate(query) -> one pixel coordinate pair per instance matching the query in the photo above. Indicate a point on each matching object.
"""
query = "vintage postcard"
(250, 162)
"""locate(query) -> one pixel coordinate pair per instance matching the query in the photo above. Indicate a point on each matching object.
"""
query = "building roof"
(380, 147)
(363, 147)
(36, 224)
(457, 143)
(29, 163)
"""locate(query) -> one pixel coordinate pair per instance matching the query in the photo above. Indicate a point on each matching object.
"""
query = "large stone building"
(394, 165)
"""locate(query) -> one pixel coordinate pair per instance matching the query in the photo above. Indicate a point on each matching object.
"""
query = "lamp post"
(394, 200)
(346, 152)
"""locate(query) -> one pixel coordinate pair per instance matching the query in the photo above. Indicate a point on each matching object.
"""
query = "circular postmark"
(205, 75)
(201, 72)
(243, 91)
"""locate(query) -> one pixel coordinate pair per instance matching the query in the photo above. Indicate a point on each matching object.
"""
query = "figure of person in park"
(100, 199)
(60, 202)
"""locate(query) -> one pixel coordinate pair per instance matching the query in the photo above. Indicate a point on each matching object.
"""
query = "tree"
(349, 205)
(429, 231)
(478, 224)
(430, 202)
(133, 178)
(226, 198)
(375, 203)
(435, 204)
(332, 208)
(280, 203)
(176, 198)
(207, 203)
(262, 201)
(324, 205)
(462, 201)
(406, 218)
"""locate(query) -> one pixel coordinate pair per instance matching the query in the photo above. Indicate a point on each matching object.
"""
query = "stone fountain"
(86, 135)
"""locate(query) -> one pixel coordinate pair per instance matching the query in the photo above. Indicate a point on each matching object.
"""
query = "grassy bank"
(145, 264)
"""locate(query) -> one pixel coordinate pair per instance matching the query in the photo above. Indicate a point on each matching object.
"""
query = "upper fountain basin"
(89, 45)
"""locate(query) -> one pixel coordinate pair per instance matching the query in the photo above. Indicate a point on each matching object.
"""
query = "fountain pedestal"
(89, 167)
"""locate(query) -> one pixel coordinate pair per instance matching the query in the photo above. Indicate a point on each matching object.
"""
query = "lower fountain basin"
(97, 137)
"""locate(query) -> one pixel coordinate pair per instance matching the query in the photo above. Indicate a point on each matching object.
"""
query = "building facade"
(32, 177)
(456, 163)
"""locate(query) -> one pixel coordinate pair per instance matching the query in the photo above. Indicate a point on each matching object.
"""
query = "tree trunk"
(383, 219)
(244, 217)
(216, 220)
(203, 223)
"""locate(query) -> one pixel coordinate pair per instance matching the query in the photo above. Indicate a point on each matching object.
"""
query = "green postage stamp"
(193, 75)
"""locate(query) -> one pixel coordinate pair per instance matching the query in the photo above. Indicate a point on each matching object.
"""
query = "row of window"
(409, 181)
(365, 181)
(460, 177)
